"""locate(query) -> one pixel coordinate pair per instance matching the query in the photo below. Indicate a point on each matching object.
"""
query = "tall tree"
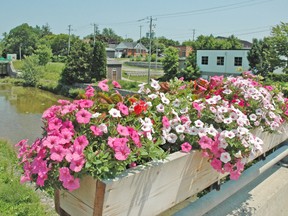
(98, 70)
(21, 38)
(192, 71)
(262, 57)
(279, 39)
(170, 63)
(78, 65)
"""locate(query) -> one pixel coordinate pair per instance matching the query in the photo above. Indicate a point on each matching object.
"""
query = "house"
(127, 49)
(184, 51)
(222, 62)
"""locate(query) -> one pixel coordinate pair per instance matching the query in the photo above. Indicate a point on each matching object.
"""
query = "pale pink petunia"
(103, 86)
(225, 157)
(186, 147)
(122, 130)
(116, 84)
(83, 116)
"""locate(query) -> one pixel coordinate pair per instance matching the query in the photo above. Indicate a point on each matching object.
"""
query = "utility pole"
(140, 39)
(150, 44)
(193, 34)
(69, 39)
(20, 54)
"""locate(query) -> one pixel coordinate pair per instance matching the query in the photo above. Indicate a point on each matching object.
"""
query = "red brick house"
(127, 49)
(184, 51)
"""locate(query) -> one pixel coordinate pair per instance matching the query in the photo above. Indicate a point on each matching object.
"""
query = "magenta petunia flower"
(83, 116)
(77, 165)
(186, 147)
(116, 84)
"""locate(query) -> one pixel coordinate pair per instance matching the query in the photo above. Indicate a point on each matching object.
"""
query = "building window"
(220, 60)
(204, 60)
(238, 61)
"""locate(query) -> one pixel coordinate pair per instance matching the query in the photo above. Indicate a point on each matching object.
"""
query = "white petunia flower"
(180, 128)
(160, 108)
(225, 157)
(114, 113)
(198, 123)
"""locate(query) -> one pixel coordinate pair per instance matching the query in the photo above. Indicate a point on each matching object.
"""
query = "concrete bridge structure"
(6, 68)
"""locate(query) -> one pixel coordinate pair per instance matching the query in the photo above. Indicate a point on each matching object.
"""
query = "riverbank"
(15, 198)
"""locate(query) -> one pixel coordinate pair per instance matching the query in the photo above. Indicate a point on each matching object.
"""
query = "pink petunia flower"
(205, 142)
(165, 122)
(216, 164)
(89, 91)
(57, 153)
(77, 165)
(186, 147)
(123, 131)
(116, 84)
(83, 116)
(123, 108)
(64, 174)
(122, 152)
(81, 141)
(72, 183)
(96, 130)
(103, 86)
(86, 103)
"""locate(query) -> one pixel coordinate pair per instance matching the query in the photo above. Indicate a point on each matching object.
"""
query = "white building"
(222, 62)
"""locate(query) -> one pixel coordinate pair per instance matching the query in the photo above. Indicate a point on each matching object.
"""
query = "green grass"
(15, 198)
(139, 79)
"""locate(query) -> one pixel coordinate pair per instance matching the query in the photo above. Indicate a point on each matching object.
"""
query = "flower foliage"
(104, 133)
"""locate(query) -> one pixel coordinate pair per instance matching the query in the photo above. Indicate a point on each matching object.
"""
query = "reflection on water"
(21, 110)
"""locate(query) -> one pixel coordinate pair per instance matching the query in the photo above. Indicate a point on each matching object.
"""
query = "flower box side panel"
(81, 201)
(271, 140)
(157, 188)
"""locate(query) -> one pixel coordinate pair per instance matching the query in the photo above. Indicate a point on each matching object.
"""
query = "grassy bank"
(15, 198)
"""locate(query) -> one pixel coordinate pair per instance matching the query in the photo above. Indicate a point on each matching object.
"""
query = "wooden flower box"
(149, 190)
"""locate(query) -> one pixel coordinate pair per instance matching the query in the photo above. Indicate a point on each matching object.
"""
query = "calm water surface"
(21, 110)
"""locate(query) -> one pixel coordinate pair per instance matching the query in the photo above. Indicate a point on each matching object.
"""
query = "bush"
(31, 71)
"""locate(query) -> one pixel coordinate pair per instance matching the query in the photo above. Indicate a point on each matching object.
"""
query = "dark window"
(204, 60)
(238, 61)
(220, 60)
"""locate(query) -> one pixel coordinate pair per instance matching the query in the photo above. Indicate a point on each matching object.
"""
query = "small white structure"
(222, 62)
(12, 57)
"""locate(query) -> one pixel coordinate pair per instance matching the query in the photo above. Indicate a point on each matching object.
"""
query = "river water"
(21, 110)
